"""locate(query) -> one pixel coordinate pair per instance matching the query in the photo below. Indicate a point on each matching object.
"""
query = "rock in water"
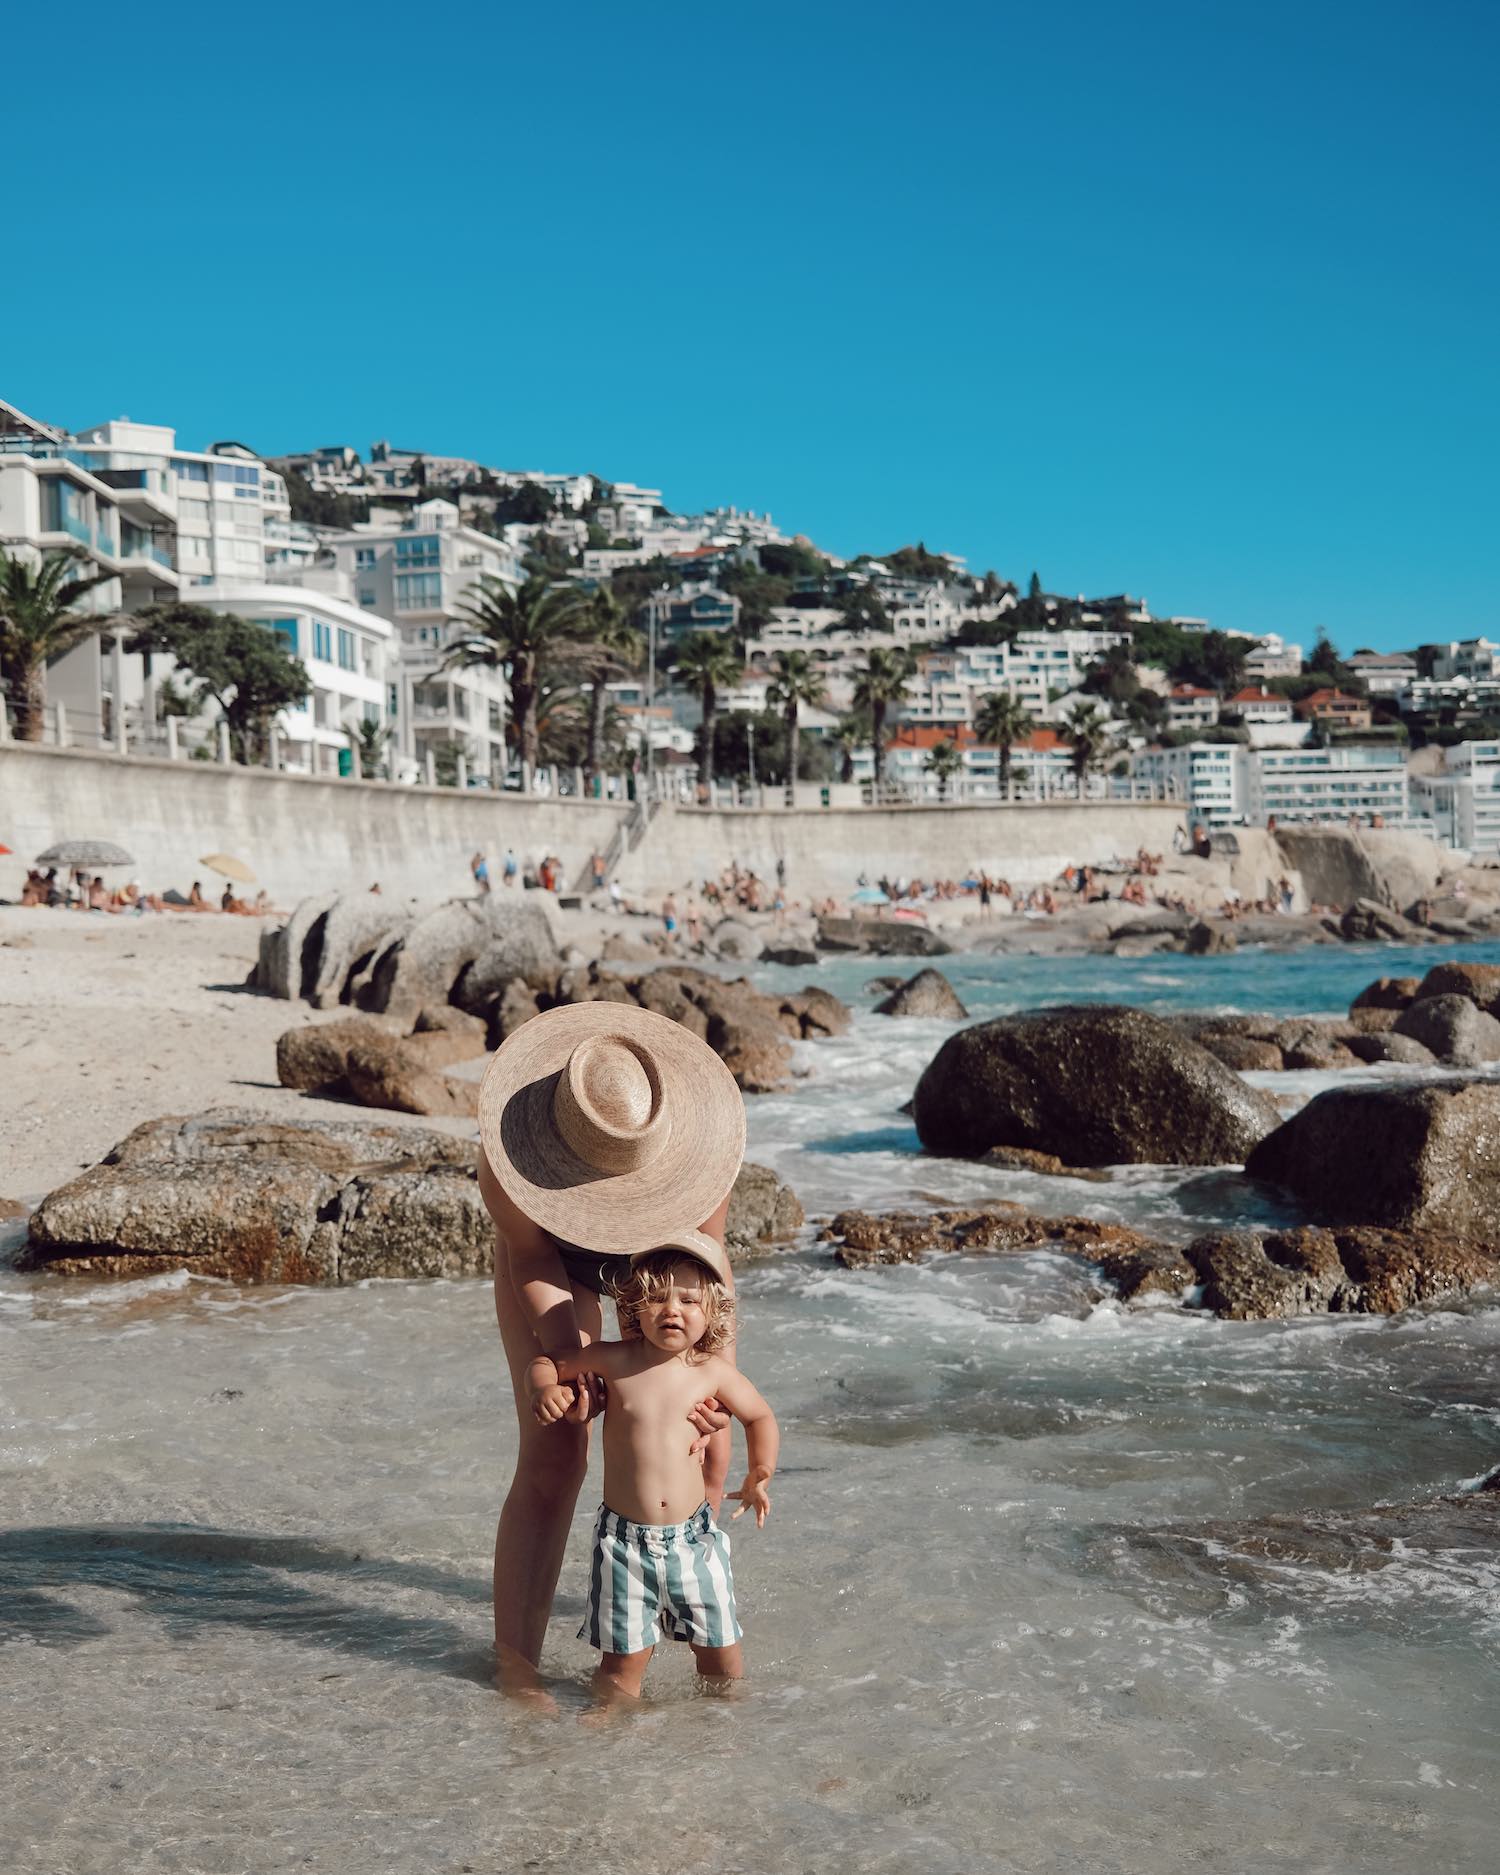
(1096, 1084)
(1388, 993)
(1453, 1028)
(1368, 921)
(929, 993)
(1355, 1270)
(762, 1210)
(231, 1194)
(798, 956)
(882, 937)
(1208, 940)
(1479, 982)
(1415, 1158)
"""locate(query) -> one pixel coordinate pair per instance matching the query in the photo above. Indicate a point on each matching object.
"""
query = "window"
(393, 700)
(238, 474)
(192, 471)
(364, 556)
(421, 551)
(195, 512)
(286, 630)
(419, 592)
(322, 641)
(194, 547)
(367, 595)
(346, 650)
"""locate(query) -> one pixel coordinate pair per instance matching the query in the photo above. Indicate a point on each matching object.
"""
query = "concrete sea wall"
(305, 834)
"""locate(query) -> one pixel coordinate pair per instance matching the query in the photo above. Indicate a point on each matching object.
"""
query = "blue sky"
(1192, 301)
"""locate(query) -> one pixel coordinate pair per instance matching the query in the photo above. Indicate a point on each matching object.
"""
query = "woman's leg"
(533, 1531)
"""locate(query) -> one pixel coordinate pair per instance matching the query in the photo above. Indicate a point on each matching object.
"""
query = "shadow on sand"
(190, 1578)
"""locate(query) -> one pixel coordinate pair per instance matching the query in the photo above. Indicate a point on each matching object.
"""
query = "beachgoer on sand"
(601, 1129)
(510, 867)
(479, 865)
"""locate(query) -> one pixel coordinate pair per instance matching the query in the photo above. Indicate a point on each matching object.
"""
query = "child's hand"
(549, 1404)
(753, 1495)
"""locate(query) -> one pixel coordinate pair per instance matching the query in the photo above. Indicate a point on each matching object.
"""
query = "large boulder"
(1386, 993)
(1243, 1053)
(1455, 1031)
(818, 1012)
(464, 952)
(793, 952)
(881, 937)
(382, 1071)
(1248, 1275)
(289, 953)
(345, 941)
(928, 993)
(762, 1210)
(1367, 921)
(1379, 1046)
(230, 1194)
(1096, 1084)
(1479, 982)
(1208, 940)
(735, 942)
(1412, 1158)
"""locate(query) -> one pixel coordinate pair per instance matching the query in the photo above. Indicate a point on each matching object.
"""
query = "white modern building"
(1273, 657)
(420, 573)
(1207, 777)
(1474, 659)
(1384, 674)
(1463, 799)
(1310, 784)
(350, 653)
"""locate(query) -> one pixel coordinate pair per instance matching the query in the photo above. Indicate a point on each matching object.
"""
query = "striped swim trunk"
(648, 1576)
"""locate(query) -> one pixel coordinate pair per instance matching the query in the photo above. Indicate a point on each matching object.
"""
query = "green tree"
(917, 563)
(319, 507)
(1087, 734)
(737, 733)
(944, 761)
(881, 683)
(797, 682)
(241, 666)
(39, 623)
(613, 650)
(862, 611)
(852, 734)
(519, 633)
(368, 738)
(706, 662)
(527, 503)
(1005, 721)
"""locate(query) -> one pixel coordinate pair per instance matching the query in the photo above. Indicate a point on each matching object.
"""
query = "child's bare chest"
(660, 1395)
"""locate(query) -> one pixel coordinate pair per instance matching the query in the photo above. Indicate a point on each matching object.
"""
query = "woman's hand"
(706, 1418)
(588, 1400)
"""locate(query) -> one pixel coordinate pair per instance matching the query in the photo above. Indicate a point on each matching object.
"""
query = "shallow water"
(1014, 1609)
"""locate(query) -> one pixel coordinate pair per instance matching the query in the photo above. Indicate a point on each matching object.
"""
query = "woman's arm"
(532, 1264)
(548, 1376)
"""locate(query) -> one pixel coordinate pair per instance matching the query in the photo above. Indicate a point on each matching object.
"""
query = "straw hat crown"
(610, 1126)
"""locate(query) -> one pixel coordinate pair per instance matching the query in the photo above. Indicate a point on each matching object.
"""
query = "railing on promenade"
(683, 790)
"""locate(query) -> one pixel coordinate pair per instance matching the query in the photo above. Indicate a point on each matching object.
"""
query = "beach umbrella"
(85, 853)
(869, 895)
(3, 847)
(228, 867)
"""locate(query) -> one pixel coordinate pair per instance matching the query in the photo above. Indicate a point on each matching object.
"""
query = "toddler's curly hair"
(648, 1277)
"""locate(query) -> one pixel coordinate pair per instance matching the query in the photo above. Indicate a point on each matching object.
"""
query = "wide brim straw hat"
(611, 1127)
(697, 1245)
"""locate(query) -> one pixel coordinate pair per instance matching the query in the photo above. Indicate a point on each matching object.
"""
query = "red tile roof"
(1252, 695)
(1190, 690)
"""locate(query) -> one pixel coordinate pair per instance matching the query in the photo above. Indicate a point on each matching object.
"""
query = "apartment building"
(1207, 777)
(1034, 668)
(1273, 657)
(419, 573)
(1041, 765)
(690, 608)
(1463, 799)
(350, 653)
(1384, 674)
(1335, 709)
(1190, 707)
(1328, 784)
(207, 509)
(1475, 659)
(629, 511)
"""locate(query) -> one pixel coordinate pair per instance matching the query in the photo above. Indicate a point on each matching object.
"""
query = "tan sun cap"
(609, 1125)
(696, 1245)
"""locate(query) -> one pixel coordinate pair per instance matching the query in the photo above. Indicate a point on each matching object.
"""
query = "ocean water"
(1048, 1585)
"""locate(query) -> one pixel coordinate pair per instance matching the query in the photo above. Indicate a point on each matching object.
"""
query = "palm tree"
(38, 624)
(944, 761)
(518, 632)
(1087, 732)
(1004, 721)
(852, 733)
(708, 663)
(797, 682)
(883, 681)
(368, 738)
(613, 649)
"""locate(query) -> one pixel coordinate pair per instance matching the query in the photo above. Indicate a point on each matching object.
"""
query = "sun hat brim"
(699, 1246)
(614, 1214)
